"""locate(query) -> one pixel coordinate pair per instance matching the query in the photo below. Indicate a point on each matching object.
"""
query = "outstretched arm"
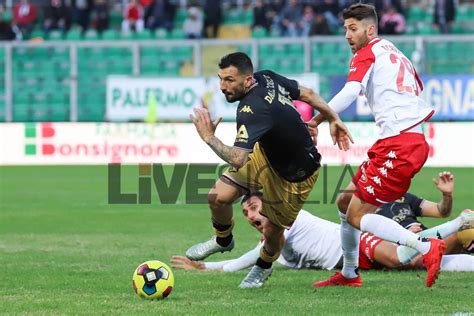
(339, 132)
(341, 101)
(445, 184)
(246, 260)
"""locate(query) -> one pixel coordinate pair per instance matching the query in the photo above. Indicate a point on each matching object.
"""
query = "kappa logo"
(354, 69)
(246, 109)
(242, 135)
(37, 139)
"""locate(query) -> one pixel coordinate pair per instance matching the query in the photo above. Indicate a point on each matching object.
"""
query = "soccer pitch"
(65, 250)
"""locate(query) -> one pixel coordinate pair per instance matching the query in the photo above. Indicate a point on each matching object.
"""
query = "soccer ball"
(153, 280)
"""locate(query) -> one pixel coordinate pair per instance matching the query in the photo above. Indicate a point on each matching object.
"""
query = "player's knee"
(393, 261)
(217, 200)
(343, 201)
(353, 218)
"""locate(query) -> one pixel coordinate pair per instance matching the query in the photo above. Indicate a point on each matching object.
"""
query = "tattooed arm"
(234, 156)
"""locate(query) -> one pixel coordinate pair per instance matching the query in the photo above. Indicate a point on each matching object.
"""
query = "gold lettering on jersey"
(246, 109)
(242, 135)
(270, 85)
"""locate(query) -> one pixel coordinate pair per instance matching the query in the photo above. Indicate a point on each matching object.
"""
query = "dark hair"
(239, 60)
(360, 11)
(249, 195)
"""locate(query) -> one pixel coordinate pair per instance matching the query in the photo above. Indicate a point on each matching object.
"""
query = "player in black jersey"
(457, 233)
(273, 152)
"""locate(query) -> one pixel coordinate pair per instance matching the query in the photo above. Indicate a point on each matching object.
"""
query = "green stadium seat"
(427, 29)
(115, 19)
(248, 17)
(161, 33)
(127, 36)
(177, 34)
(232, 16)
(91, 35)
(74, 35)
(145, 35)
(55, 35)
(416, 13)
(465, 13)
(58, 113)
(7, 15)
(181, 16)
(182, 52)
(22, 114)
(259, 32)
(295, 50)
(109, 35)
(37, 34)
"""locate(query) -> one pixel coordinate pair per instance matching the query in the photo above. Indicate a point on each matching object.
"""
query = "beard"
(363, 42)
(235, 96)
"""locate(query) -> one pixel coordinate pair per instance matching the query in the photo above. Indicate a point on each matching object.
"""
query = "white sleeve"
(246, 260)
(457, 263)
(346, 96)
(215, 265)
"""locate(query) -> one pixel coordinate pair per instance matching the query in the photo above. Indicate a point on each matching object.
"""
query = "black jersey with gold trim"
(267, 115)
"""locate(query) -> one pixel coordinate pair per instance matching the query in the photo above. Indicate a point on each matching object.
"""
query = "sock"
(457, 263)
(406, 254)
(350, 238)
(390, 230)
(263, 264)
(223, 241)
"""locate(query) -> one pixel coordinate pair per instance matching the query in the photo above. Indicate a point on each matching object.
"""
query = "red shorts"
(368, 243)
(386, 175)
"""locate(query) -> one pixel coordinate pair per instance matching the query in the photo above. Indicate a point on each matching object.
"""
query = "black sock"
(221, 228)
(263, 264)
(224, 241)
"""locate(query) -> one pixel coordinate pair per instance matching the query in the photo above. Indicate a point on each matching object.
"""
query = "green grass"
(65, 250)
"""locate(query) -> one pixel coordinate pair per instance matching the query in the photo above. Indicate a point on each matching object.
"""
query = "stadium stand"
(51, 73)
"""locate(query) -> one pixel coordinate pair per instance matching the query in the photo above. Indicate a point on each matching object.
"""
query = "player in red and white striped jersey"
(392, 87)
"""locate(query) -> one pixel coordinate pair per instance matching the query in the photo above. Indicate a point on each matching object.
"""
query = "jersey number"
(283, 96)
(404, 64)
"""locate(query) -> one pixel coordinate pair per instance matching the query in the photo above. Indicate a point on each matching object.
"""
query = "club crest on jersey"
(246, 109)
(242, 135)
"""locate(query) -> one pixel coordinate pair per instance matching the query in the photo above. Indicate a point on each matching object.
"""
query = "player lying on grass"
(313, 242)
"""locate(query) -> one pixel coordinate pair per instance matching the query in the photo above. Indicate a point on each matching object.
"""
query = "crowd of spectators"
(291, 18)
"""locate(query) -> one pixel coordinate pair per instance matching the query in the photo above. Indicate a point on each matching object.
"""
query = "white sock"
(457, 263)
(406, 254)
(390, 230)
(350, 238)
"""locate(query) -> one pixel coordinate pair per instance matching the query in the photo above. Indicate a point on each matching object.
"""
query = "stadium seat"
(91, 35)
(161, 33)
(126, 36)
(181, 15)
(74, 35)
(177, 34)
(232, 16)
(109, 35)
(145, 35)
(259, 32)
(55, 35)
